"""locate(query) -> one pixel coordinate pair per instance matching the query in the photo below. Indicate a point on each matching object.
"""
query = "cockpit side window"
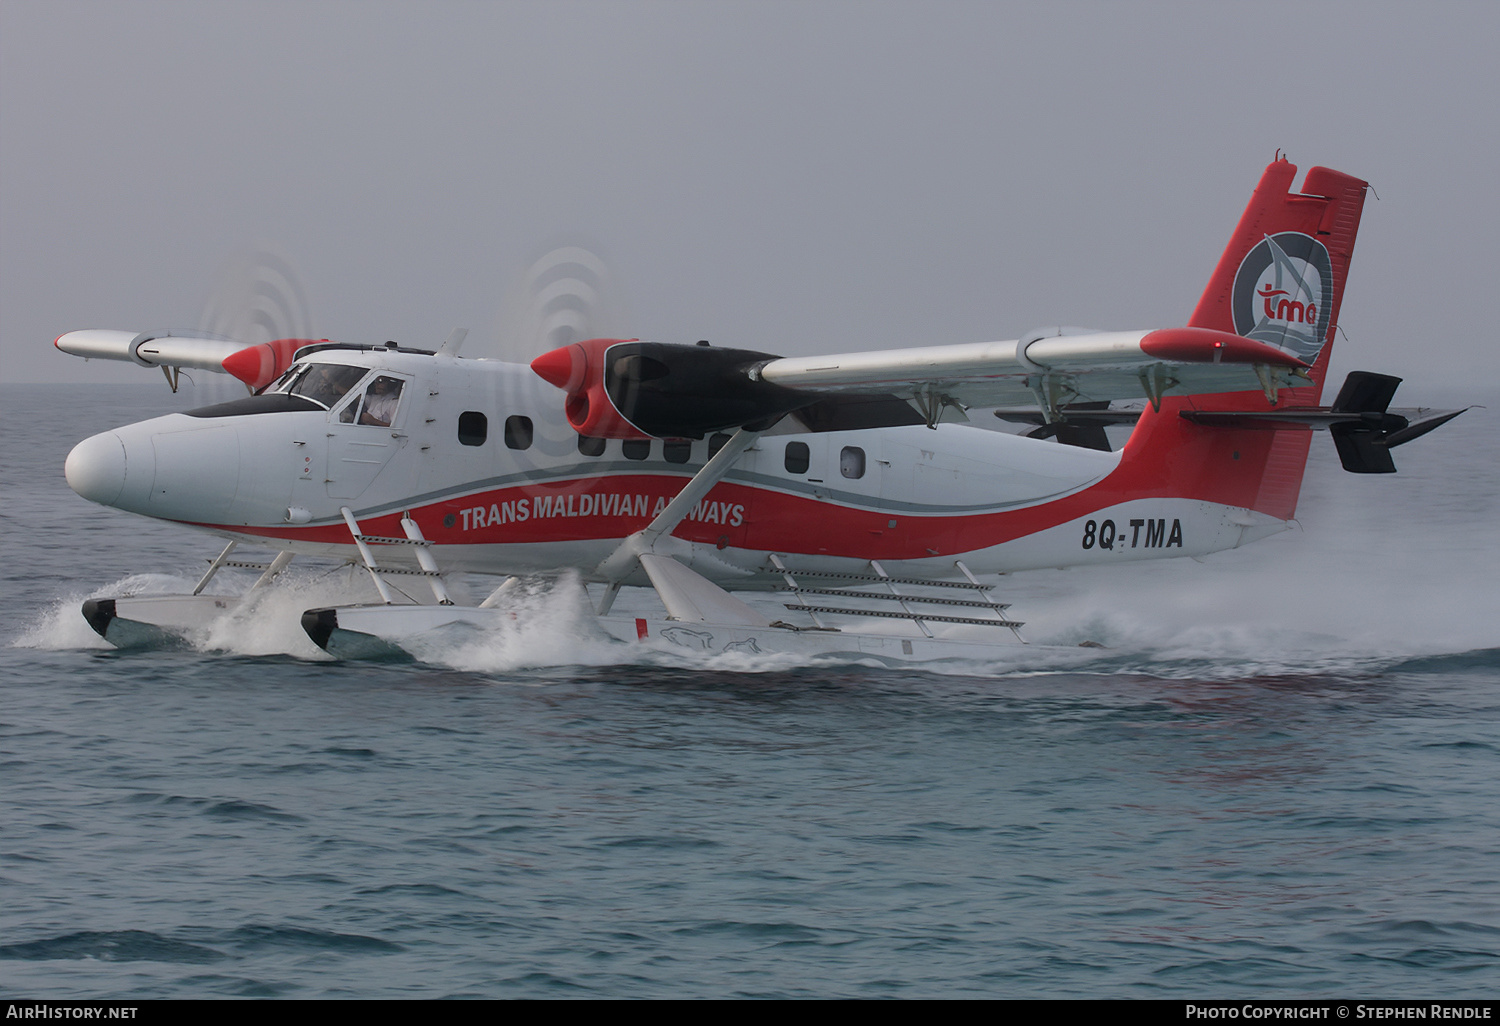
(377, 407)
(323, 383)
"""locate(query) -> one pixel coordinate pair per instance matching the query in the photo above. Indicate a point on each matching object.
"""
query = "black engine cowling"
(625, 388)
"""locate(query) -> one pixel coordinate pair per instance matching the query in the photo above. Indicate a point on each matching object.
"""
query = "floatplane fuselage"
(479, 455)
(700, 471)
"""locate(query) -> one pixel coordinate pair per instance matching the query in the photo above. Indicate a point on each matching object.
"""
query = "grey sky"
(800, 177)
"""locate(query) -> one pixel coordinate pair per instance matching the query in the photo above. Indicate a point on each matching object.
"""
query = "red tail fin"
(1280, 281)
(1282, 276)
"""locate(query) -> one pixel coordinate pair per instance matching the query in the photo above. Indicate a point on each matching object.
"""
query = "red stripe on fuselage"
(749, 518)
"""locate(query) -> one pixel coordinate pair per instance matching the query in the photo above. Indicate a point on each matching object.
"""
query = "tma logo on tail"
(1283, 294)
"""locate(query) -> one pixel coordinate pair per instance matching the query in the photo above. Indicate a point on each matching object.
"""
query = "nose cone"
(96, 468)
(562, 367)
(173, 467)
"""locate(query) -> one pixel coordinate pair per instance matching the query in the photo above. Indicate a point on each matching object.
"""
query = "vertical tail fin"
(1280, 281)
(1281, 278)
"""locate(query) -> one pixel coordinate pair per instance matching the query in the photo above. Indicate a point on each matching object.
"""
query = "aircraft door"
(365, 432)
(916, 477)
(453, 429)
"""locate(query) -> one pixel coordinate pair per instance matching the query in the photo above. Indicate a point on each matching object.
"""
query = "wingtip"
(1209, 345)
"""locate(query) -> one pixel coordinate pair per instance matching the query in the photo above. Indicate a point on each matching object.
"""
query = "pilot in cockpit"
(380, 403)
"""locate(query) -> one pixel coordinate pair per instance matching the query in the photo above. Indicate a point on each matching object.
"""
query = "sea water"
(1280, 777)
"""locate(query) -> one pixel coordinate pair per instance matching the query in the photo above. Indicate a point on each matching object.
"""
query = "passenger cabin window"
(798, 457)
(377, 407)
(323, 383)
(716, 441)
(677, 452)
(473, 428)
(636, 448)
(852, 461)
(518, 432)
(589, 446)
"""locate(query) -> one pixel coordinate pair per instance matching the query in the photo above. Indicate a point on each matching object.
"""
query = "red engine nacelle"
(260, 365)
(578, 369)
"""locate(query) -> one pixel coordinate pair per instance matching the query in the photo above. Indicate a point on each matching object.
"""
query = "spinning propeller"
(260, 303)
(565, 296)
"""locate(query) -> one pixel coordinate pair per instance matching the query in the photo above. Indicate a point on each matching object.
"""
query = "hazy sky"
(794, 177)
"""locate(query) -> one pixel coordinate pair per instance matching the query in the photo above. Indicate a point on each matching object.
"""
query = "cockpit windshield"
(323, 383)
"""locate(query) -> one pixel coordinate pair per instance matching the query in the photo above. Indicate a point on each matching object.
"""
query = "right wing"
(625, 388)
(1048, 370)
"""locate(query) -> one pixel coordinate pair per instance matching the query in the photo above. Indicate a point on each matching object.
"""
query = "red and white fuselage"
(523, 498)
(574, 461)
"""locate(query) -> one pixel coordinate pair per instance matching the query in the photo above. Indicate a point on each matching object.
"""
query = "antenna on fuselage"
(454, 342)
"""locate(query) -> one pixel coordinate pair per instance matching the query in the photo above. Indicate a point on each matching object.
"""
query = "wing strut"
(621, 563)
(414, 539)
(214, 566)
(268, 570)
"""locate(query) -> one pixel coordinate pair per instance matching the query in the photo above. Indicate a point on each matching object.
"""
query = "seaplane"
(772, 503)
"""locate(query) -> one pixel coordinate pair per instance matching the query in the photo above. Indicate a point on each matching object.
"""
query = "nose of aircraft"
(96, 468)
(173, 467)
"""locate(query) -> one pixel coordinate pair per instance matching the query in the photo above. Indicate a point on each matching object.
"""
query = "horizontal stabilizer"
(1363, 427)
(1079, 424)
(1419, 422)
